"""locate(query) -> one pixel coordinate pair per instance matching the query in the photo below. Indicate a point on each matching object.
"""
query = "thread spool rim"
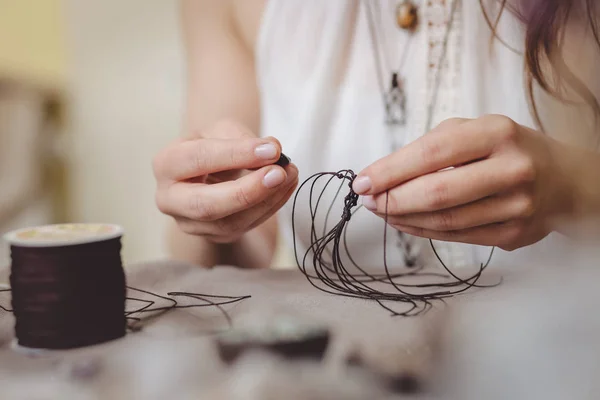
(111, 231)
(27, 351)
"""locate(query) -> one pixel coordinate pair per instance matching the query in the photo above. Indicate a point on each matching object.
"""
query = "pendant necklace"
(394, 98)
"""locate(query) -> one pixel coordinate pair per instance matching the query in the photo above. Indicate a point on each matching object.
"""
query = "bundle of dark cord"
(324, 266)
(73, 295)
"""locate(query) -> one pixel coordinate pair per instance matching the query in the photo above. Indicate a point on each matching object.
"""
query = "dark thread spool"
(68, 296)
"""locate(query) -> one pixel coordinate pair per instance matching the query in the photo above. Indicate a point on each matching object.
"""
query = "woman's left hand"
(504, 186)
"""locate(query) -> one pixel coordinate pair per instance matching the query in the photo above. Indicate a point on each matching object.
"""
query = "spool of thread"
(68, 285)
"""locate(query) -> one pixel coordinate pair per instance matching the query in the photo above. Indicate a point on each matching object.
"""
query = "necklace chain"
(395, 95)
(375, 35)
(409, 251)
(440, 65)
(396, 92)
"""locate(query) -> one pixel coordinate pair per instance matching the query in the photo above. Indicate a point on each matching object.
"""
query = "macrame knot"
(350, 202)
(351, 199)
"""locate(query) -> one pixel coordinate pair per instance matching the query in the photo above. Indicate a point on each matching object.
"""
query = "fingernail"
(369, 203)
(273, 178)
(362, 185)
(266, 151)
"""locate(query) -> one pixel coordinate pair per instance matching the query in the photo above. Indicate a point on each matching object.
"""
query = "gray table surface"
(174, 358)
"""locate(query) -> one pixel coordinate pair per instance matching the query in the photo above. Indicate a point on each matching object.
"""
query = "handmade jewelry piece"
(394, 97)
(329, 266)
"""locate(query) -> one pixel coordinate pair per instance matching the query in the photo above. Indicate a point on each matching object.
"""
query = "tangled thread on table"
(65, 297)
(136, 323)
(323, 265)
(208, 300)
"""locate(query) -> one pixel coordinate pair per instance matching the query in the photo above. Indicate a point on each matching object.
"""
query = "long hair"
(545, 23)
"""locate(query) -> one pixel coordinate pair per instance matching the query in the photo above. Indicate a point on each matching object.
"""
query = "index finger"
(446, 146)
(192, 158)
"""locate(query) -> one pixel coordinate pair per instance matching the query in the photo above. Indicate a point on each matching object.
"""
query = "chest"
(325, 69)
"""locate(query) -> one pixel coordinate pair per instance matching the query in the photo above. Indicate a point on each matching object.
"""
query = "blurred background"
(89, 93)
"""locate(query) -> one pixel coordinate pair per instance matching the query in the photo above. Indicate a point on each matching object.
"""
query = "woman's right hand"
(222, 182)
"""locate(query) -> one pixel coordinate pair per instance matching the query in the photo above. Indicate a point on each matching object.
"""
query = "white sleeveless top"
(321, 98)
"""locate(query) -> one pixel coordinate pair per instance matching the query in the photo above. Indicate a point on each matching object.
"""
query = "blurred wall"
(32, 76)
(32, 41)
(126, 79)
